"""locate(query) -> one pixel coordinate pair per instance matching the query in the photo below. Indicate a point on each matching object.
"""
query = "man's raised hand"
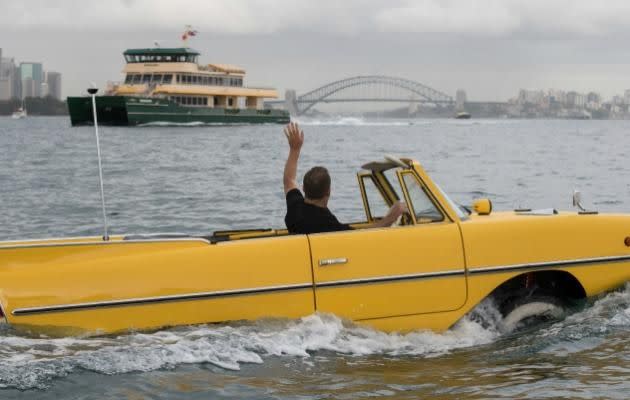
(294, 135)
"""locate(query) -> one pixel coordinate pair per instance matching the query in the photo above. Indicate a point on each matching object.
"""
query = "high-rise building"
(576, 99)
(35, 73)
(54, 84)
(28, 88)
(43, 90)
(9, 86)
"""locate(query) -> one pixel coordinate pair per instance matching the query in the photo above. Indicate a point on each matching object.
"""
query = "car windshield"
(461, 212)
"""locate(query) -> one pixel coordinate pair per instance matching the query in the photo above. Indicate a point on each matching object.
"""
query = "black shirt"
(307, 218)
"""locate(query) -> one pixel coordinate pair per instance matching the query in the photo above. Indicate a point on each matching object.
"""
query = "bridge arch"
(305, 102)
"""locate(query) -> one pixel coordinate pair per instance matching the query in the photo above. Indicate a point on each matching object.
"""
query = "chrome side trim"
(47, 239)
(563, 263)
(102, 242)
(159, 299)
(390, 278)
(302, 286)
(332, 261)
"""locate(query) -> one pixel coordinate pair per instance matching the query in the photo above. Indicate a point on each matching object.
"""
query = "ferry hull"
(133, 111)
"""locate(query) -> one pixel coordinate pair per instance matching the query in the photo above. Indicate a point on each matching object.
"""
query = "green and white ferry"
(167, 85)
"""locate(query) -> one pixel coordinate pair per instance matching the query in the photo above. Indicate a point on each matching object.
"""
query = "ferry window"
(220, 81)
(194, 101)
(137, 78)
(146, 78)
(205, 101)
(230, 101)
(423, 207)
(205, 80)
(188, 79)
(167, 79)
(129, 78)
(157, 78)
(216, 101)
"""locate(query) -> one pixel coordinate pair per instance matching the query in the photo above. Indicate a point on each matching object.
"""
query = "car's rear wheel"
(532, 310)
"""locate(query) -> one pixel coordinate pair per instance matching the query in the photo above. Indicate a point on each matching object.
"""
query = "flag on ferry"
(188, 33)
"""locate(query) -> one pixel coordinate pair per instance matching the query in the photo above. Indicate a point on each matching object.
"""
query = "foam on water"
(32, 362)
(27, 362)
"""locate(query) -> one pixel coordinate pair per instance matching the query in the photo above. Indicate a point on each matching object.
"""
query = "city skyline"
(491, 48)
(23, 79)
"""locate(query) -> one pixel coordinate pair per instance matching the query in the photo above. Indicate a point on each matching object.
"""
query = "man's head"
(317, 183)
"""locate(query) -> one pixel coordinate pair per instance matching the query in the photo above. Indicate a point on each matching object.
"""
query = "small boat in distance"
(462, 115)
(168, 85)
(20, 112)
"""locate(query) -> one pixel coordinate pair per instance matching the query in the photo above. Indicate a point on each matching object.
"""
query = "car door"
(386, 272)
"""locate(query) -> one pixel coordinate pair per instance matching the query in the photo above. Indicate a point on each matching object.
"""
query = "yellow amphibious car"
(426, 273)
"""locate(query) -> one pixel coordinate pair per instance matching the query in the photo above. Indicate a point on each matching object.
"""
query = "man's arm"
(295, 136)
(392, 215)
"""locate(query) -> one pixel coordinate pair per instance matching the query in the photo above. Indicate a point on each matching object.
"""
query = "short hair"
(316, 183)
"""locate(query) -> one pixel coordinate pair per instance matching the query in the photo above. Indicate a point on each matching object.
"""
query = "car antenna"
(92, 91)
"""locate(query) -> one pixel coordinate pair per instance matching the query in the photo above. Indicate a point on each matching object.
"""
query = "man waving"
(309, 213)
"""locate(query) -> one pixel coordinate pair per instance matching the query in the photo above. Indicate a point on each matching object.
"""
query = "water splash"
(33, 362)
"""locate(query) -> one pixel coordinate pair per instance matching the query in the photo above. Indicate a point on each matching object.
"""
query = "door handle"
(325, 262)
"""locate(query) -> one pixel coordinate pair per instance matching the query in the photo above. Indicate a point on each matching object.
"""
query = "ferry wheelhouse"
(169, 85)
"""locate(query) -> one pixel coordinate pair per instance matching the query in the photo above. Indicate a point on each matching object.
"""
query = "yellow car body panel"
(424, 275)
(365, 286)
(151, 277)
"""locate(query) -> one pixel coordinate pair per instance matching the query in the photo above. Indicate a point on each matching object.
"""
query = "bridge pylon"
(290, 102)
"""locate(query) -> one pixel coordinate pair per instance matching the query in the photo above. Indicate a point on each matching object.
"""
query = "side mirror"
(482, 206)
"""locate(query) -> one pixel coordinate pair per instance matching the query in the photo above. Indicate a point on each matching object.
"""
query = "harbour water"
(204, 178)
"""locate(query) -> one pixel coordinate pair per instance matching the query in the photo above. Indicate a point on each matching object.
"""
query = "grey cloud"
(496, 18)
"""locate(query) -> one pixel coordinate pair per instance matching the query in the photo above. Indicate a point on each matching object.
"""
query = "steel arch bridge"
(371, 88)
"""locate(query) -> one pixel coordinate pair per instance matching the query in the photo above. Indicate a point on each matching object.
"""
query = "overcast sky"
(491, 48)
